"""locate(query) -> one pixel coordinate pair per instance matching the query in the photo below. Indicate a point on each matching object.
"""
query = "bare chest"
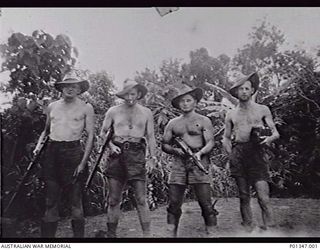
(131, 120)
(62, 114)
(247, 119)
(191, 127)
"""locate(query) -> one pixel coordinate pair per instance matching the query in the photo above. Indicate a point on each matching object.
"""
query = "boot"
(112, 228)
(210, 221)
(146, 229)
(210, 230)
(78, 228)
(48, 229)
(173, 222)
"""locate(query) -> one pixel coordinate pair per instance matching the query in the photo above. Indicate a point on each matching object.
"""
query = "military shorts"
(130, 164)
(184, 171)
(248, 160)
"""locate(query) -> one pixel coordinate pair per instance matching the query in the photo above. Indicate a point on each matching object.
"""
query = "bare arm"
(166, 141)
(46, 130)
(107, 122)
(106, 125)
(150, 135)
(269, 120)
(90, 132)
(226, 141)
(208, 136)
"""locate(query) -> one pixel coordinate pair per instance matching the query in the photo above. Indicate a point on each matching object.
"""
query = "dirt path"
(295, 217)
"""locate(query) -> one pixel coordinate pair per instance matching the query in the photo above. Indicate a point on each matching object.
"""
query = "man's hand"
(198, 155)
(152, 164)
(227, 145)
(114, 149)
(35, 151)
(179, 152)
(79, 169)
(267, 140)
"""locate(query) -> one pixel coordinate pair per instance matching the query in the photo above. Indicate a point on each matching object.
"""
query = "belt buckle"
(126, 145)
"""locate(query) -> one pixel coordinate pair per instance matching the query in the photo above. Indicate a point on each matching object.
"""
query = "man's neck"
(69, 100)
(245, 104)
(131, 107)
(188, 114)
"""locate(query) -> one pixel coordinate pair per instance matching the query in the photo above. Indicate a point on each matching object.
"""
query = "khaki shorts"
(248, 160)
(130, 164)
(184, 172)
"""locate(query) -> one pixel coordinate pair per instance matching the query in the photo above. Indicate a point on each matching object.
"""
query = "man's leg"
(176, 195)
(49, 222)
(262, 188)
(245, 208)
(139, 188)
(77, 221)
(203, 194)
(114, 199)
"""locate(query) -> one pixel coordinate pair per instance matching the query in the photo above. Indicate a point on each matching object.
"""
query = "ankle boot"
(48, 229)
(112, 228)
(78, 228)
(173, 222)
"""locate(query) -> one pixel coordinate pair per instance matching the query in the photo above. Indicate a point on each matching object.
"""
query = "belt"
(129, 145)
(122, 139)
(65, 143)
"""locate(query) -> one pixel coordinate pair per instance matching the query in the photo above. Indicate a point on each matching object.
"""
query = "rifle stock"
(185, 148)
(26, 174)
(100, 154)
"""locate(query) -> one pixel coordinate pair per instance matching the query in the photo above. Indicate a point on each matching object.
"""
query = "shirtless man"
(131, 123)
(65, 162)
(197, 132)
(247, 162)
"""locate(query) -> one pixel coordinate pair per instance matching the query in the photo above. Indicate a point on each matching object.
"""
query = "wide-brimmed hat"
(130, 84)
(197, 93)
(84, 84)
(253, 78)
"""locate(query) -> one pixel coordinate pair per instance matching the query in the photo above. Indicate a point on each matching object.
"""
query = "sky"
(122, 41)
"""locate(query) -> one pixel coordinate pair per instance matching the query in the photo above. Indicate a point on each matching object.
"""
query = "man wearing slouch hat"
(249, 127)
(197, 132)
(133, 132)
(65, 162)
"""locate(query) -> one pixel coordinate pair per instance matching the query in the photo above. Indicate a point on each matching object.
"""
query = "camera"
(258, 134)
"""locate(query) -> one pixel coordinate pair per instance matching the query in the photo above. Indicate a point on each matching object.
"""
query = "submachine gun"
(188, 152)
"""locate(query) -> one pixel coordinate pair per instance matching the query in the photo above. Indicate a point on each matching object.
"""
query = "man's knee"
(77, 213)
(244, 198)
(141, 200)
(114, 201)
(263, 200)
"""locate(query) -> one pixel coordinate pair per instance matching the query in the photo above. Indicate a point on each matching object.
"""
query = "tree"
(36, 61)
(101, 92)
(261, 54)
(205, 68)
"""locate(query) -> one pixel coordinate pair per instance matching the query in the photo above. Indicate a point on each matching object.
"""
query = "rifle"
(186, 150)
(100, 154)
(34, 160)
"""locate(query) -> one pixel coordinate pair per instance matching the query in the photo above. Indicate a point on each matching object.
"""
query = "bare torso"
(243, 120)
(130, 122)
(190, 129)
(67, 121)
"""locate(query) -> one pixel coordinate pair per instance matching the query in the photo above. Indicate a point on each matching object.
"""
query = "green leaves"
(35, 60)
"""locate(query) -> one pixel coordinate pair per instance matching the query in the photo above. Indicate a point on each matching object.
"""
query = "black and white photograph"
(160, 123)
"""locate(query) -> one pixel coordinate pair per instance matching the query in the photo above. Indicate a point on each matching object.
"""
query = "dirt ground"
(294, 217)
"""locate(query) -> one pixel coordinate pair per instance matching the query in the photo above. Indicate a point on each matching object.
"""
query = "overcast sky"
(124, 40)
